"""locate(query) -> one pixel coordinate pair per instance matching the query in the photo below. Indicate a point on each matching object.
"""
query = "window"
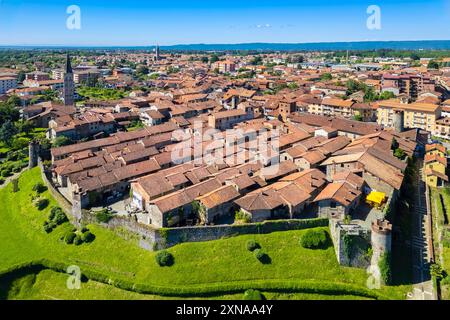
(333, 205)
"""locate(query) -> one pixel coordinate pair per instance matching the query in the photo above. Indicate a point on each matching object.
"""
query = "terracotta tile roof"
(267, 200)
(435, 158)
(313, 157)
(435, 146)
(431, 172)
(278, 170)
(382, 170)
(219, 196)
(340, 124)
(341, 192)
(418, 107)
(348, 176)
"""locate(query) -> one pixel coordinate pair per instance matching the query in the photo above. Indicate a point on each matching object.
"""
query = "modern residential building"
(392, 113)
(7, 83)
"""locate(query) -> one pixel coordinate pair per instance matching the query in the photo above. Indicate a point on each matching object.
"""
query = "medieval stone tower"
(69, 87)
(33, 154)
(381, 236)
(381, 240)
(399, 120)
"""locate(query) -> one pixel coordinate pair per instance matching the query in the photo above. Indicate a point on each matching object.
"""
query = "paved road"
(423, 287)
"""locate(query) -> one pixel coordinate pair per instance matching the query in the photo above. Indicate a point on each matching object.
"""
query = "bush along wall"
(385, 268)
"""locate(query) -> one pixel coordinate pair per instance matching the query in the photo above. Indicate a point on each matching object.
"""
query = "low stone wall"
(156, 239)
(338, 230)
(173, 236)
(63, 202)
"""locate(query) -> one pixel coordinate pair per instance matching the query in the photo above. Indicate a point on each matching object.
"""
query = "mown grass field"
(50, 285)
(22, 239)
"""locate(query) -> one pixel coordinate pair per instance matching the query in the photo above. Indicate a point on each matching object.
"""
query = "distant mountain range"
(366, 45)
(319, 46)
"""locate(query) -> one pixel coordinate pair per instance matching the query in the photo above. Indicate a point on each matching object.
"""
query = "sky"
(169, 22)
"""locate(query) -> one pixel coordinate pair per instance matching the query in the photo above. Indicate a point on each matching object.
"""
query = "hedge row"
(204, 290)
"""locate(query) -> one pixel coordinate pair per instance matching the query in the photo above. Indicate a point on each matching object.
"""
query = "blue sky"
(139, 22)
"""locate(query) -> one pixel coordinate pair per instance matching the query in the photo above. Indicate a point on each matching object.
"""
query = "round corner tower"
(381, 237)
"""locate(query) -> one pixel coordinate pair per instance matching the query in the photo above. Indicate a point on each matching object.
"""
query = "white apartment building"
(7, 83)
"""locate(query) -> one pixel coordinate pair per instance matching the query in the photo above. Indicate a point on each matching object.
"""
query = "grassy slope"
(438, 214)
(50, 285)
(23, 239)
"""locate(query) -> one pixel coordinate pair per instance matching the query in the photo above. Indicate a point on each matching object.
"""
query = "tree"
(62, 141)
(256, 61)
(386, 95)
(399, 153)
(20, 143)
(205, 59)
(370, 95)
(414, 56)
(214, 58)
(326, 76)
(20, 76)
(357, 117)
(8, 112)
(142, 70)
(293, 85)
(433, 64)
(24, 126)
(14, 101)
(7, 132)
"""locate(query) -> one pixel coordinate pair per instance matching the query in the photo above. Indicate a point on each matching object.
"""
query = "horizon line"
(210, 44)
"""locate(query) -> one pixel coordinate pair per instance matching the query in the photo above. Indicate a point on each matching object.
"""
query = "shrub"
(314, 239)
(47, 163)
(2, 181)
(48, 228)
(164, 258)
(60, 217)
(51, 224)
(252, 245)
(262, 256)
(52, 214)
(41, 204)
(6, 172)
(77, 240)
(70, 237)
(17, 168)
(437, 272)
(84, 229)
(252, 294)
(39, 187)
(385, 267)
(87, 237)
(104, 216)
(242, 216)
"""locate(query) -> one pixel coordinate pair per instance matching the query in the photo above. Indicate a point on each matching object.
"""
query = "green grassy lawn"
(441, 216)
(50, 285)
(22, 239)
